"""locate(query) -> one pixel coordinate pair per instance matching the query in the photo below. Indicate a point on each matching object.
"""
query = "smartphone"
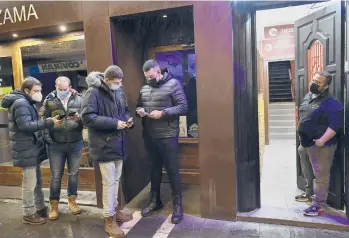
(130, 121)
(61, 117)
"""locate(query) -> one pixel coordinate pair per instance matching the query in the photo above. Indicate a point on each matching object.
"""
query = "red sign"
(278, 48)
(280, 31)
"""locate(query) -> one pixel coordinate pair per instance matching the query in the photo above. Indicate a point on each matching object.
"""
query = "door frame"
(251, 186)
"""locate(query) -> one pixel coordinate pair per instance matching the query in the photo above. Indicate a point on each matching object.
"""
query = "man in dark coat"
(64, 143)
(105, 113)
(27, 146)
(161, 102)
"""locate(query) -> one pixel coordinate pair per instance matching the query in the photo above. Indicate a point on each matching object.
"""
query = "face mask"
(62, 94)
(37, 97)
(314, 88)
(114, 87)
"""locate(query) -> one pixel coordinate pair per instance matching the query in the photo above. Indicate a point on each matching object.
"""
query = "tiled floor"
(90, 225)
(279, 187)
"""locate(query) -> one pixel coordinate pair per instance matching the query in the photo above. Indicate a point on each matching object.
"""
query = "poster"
(183, 126)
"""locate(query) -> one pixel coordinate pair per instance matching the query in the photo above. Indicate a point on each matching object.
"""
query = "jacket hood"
(94, 79)
(9, 99)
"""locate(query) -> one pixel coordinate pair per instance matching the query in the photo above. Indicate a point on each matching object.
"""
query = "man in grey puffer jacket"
(161, 102)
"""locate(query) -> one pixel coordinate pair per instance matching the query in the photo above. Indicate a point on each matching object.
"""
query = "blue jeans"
(59, 153)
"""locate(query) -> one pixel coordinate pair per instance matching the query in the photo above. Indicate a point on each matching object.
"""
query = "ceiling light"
(15, 35)
(62, 28)
(164, 16)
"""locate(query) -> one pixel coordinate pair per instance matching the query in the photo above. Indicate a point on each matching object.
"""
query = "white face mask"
(114, 87)
(37, 97)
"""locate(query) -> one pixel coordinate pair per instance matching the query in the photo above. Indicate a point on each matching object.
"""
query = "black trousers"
(164, 152)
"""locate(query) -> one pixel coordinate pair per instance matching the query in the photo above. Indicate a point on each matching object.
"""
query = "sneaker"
(313, 211)
(303, 198)
(34, 219)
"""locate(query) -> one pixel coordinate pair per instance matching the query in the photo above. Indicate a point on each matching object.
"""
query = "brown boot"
(122, 217)
(34, 219)
(112, 228)
(73, 206)
(53, 215)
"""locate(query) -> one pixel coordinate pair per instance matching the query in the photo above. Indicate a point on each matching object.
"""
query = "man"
(321, 119)
(160, 104)
(105, 113)
(27, 146)
(64, 143)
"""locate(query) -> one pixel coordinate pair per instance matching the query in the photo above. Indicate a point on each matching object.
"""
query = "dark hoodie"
(27, 145)
(166, 95)
(102, 108)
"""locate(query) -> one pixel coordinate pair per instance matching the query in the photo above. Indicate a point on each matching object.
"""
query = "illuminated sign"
(62, 66)
(15, 15)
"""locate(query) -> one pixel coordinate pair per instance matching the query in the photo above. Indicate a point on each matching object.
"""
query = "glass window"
(182, 65)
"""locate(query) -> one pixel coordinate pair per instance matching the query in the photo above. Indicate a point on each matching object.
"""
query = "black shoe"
(177, 215)
(43, 212)
(154, 205)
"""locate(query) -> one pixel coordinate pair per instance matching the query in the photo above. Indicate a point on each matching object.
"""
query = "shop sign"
(15, 15)
(278, 48)
(279, 31)
(194, 130)
(62, 66)
(65, 46)
(183, 126)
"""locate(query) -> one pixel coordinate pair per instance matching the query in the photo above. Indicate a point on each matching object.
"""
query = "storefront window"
(6, 86)
(46, 62)
(182, 65)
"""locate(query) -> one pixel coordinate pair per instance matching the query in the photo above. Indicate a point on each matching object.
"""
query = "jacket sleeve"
(25, 121)
(90, 117)
(179, 101)
(46, 113)
(335, 114)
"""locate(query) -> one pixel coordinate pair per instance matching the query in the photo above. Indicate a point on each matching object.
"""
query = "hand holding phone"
(130, 122)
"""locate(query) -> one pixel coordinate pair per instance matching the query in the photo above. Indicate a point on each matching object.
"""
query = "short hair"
(62, 78)
(326, 75)
(150, 64)
(29, 82)
(113, 72)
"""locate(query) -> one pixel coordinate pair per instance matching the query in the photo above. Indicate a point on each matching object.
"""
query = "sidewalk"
(90, 225)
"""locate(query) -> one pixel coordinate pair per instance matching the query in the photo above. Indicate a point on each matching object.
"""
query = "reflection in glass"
(182, 65)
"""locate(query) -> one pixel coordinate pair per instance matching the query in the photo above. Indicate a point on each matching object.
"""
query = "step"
(280, 82)
(282, 122)
(282, 129)
(281, 111)
(279, 94)
(277, 100)
(282, 105)
(281, 90)
(282, 135)
(282, 117)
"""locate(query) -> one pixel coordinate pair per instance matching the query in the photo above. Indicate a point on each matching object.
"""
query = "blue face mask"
(62, 94)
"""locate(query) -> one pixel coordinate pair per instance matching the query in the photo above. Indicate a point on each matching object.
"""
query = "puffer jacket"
(167, 96)
(101, 111)
(69, 131)
(27, 145)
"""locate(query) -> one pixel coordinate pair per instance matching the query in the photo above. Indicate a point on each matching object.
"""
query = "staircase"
(282, 122)
(279, 82)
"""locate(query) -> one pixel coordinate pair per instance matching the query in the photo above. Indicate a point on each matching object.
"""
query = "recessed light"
(164, 16)
(15, 35)
(62, 28)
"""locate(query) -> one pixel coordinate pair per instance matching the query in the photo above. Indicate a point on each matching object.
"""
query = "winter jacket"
(102, 108)
(69, 131)
(167, 96)
(27, 145)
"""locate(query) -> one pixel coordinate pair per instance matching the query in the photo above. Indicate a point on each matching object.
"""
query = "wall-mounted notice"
(183, 126)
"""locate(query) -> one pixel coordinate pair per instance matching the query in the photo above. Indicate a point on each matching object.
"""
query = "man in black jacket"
(161, 102)
(105, 113)
(64, 143)
(27, 146)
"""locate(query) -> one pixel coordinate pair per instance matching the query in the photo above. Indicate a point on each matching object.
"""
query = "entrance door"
(320, 46)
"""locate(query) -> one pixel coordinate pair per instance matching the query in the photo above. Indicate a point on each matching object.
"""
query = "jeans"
(164, 152)
(32, 195)
(59, 153)
(111, 174)
(319, 160)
